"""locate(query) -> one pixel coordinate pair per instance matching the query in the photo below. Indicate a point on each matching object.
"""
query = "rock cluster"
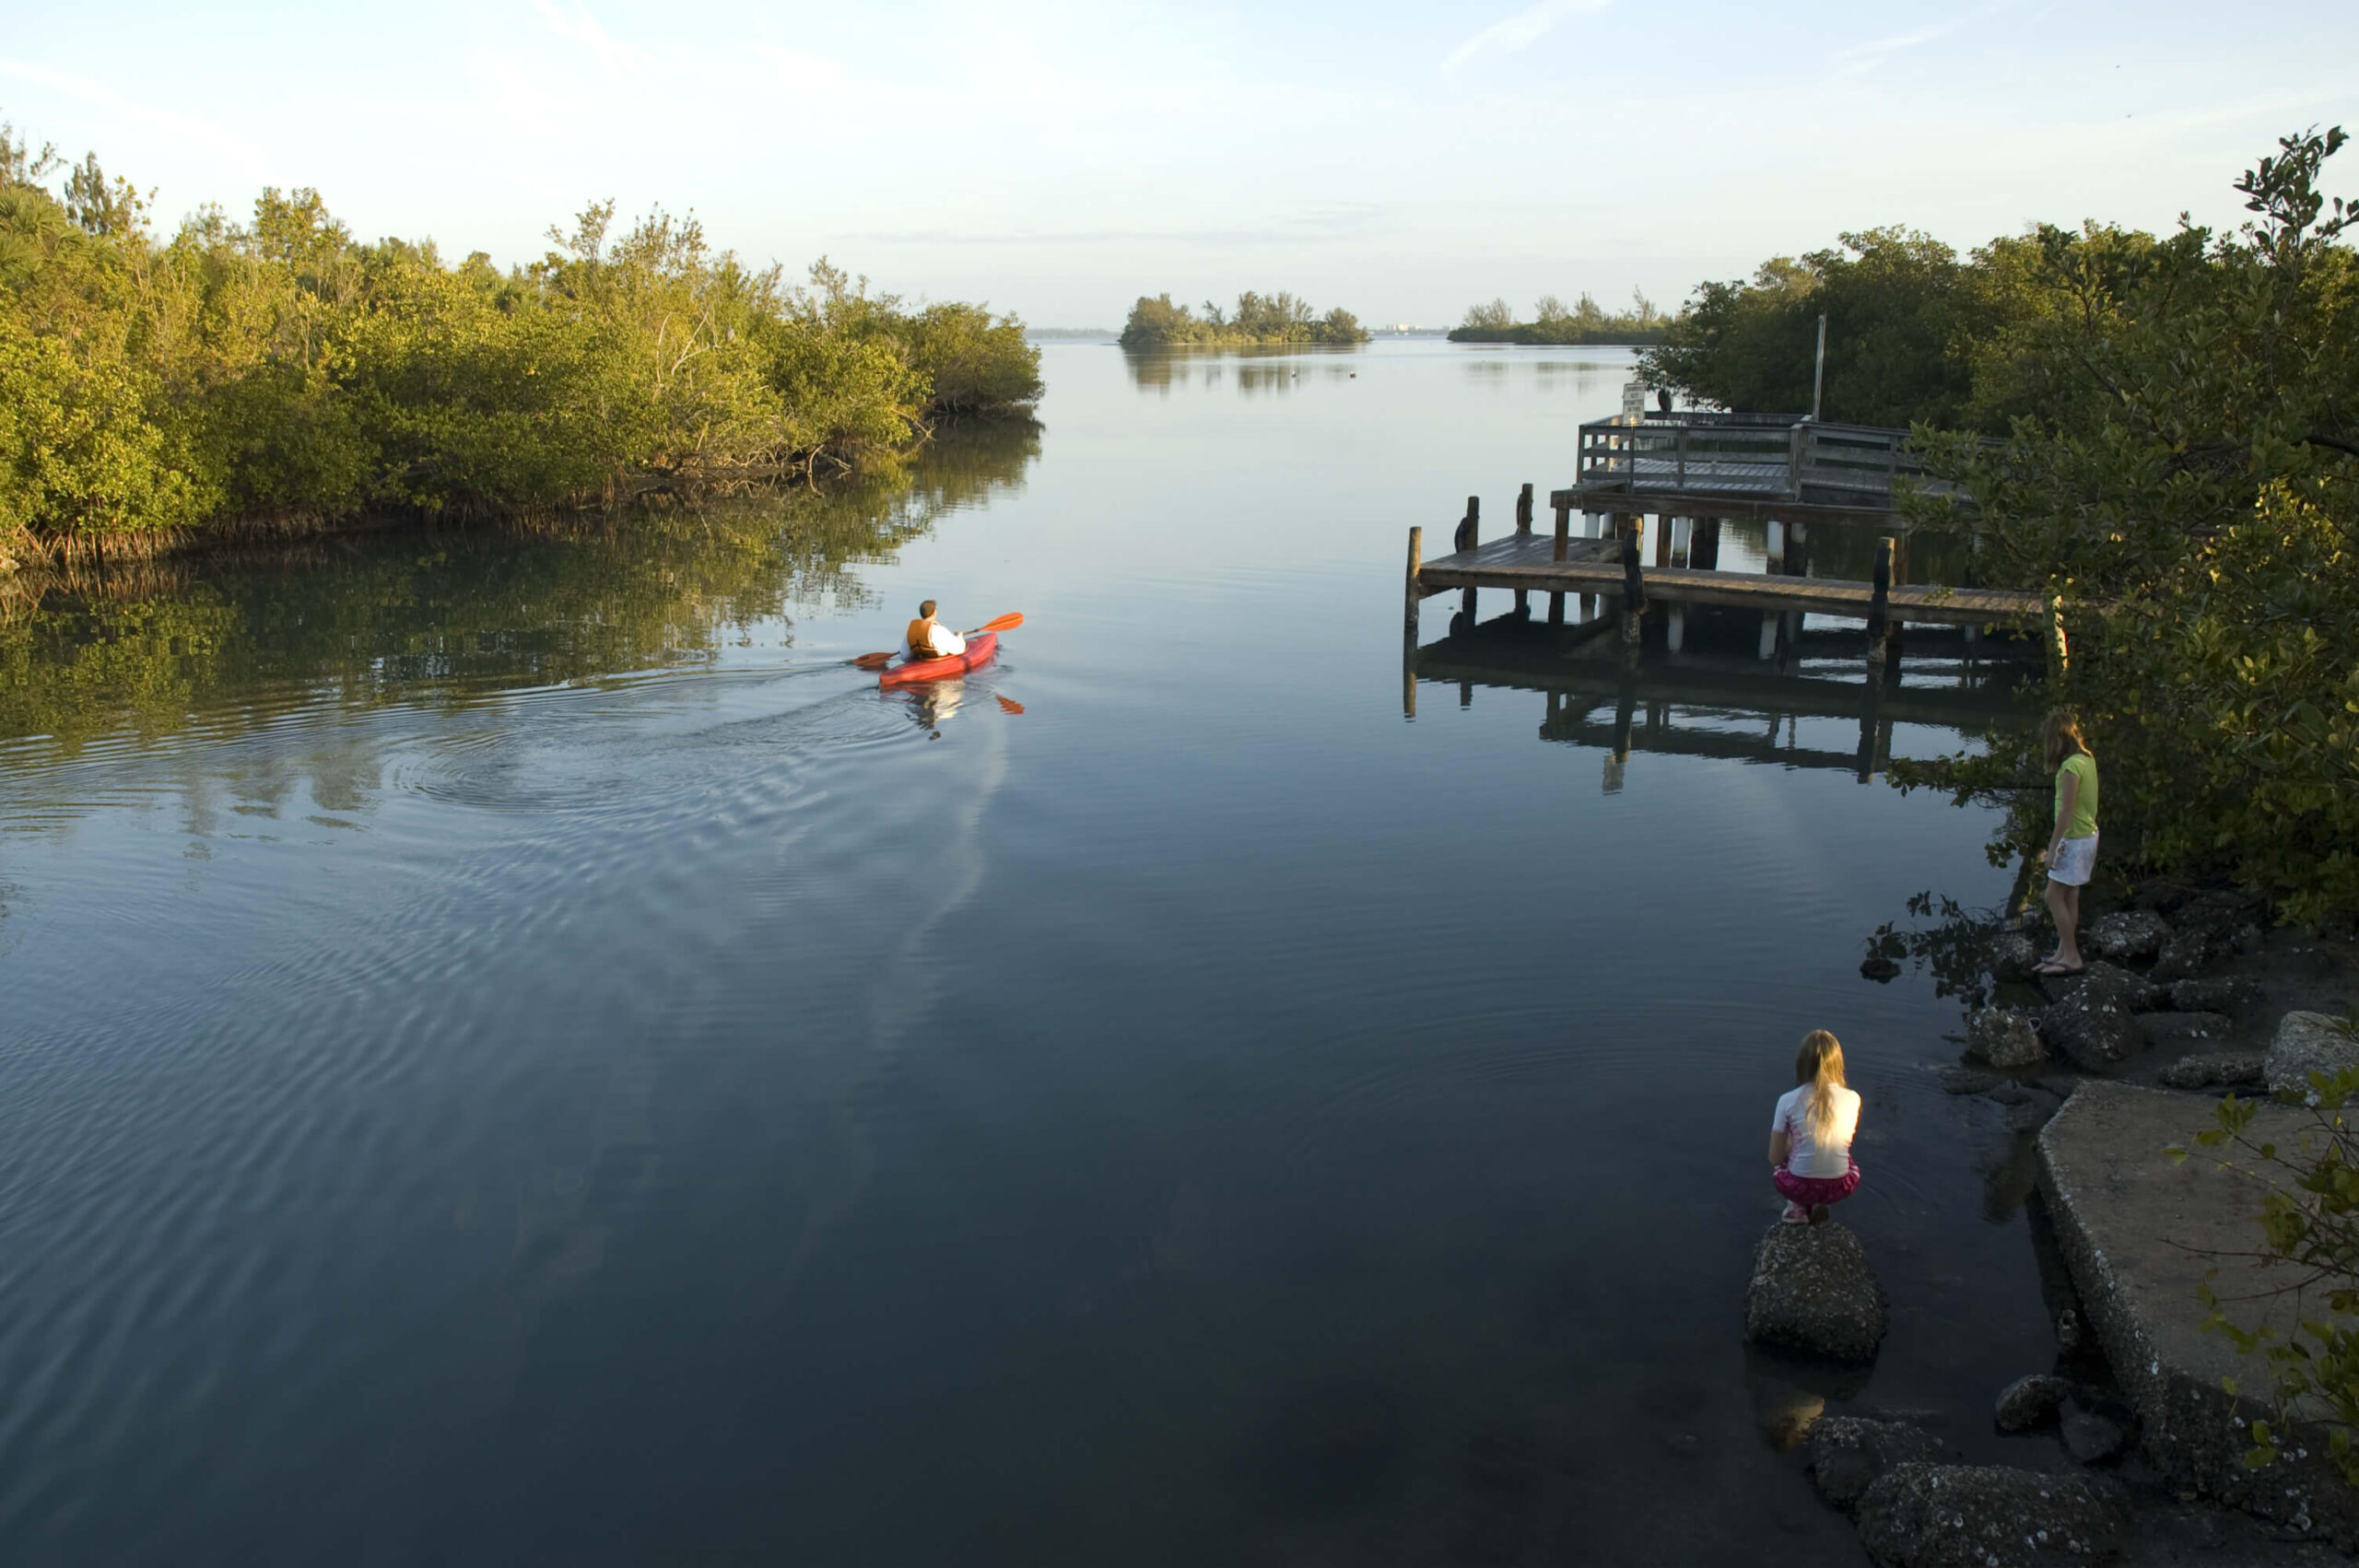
(1847, 1454)
(1812, 1291)
(2096, 1024)
(2208, 1069)
(2004, 1037)
(1926, 1516)
(2307, 1043)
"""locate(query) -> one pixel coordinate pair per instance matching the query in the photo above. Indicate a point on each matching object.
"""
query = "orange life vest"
(920, 636)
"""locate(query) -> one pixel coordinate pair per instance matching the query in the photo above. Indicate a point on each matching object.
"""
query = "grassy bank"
(279, 376)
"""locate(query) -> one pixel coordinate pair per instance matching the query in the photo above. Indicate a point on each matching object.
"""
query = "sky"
(1058, 158)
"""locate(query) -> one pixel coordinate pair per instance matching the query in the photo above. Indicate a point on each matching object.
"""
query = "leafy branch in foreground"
(2309, 1223)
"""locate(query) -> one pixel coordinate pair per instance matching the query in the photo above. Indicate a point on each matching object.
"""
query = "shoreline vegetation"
(281, 378)
(1583, 324)
(1258, 319)
(2173, 460)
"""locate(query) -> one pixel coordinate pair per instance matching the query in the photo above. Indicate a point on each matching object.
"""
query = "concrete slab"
(2139, 1235)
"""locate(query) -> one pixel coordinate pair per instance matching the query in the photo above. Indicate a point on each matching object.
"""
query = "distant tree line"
(1259, 318)
(1554, 321)
(280, 373)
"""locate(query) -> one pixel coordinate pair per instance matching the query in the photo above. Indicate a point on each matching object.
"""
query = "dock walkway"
(1534, 562)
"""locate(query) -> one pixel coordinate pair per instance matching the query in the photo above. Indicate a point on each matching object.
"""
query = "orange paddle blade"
(873, 661)
(1008, 704)
(1006, 623)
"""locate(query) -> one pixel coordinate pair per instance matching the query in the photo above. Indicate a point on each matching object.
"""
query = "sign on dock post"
(1634, 402)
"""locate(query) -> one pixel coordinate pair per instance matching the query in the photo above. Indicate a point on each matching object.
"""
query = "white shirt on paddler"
(943, 643)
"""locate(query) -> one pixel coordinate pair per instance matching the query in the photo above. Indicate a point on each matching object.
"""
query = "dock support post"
(1675, 627)
(1879, 606)
(1634, 588)
(1769, 634)
(1563, 526)
(1523, 509)
(1704, 544)
(1466, 604)
(1412, 596)
(1773, 548)
(1556, 609)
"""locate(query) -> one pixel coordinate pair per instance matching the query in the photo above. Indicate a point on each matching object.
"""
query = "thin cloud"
(1512, 33)
(1861, 58)
(228, 143)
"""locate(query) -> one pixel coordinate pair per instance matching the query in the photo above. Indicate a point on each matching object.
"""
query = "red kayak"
(980, 648)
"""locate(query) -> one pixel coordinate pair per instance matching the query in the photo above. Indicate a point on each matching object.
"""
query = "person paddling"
(929, 638)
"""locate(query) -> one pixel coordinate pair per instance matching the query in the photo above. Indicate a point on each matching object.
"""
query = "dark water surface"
(513, 1053)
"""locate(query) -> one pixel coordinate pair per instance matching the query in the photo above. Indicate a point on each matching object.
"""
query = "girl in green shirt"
(2073, 846)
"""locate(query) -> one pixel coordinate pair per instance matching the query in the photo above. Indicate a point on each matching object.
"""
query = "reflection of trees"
(1278, 363)
(423, 616)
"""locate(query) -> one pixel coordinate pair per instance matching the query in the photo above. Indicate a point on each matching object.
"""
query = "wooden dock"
(1533, 563)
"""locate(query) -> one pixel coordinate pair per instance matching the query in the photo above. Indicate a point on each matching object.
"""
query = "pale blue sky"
(1058, 158)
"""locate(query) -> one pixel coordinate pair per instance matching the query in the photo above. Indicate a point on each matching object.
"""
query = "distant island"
(1554, 323)
(1060, 334)
(1258, 319)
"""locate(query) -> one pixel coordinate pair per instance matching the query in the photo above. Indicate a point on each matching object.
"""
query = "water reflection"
(450, 618)
(1812, 703)
(1277, 368)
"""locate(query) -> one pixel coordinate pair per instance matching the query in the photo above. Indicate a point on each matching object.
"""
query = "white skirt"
(2075, 858)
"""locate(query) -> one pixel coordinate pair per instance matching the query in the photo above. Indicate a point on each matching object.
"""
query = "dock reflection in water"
(1715, 696)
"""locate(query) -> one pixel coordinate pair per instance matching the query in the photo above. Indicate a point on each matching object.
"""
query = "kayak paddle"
(1006, 623)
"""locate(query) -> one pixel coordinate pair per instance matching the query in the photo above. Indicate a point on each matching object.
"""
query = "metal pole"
(1818, 381)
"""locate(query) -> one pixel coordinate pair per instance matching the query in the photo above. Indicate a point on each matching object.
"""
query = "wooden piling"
(1556, 609)
(1634, 588)
(1411, 597)
(1523, 509)
(1880, 607)
(1564, 524)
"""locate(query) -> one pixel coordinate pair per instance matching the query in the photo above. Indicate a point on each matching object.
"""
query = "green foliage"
(1554, 321)
(2309, 1225)
(1274, 318)
(1902, 318)
(281, 371)
(2187, 492)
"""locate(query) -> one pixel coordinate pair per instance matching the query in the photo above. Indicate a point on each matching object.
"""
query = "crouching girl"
(1809, 1138)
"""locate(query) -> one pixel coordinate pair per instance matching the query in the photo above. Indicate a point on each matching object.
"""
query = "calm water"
(513, 1052)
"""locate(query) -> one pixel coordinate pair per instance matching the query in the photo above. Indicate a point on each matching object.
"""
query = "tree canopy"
(1156, 322)
(282, 371)
(1554, 321)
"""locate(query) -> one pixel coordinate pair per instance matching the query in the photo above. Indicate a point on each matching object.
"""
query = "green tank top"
(2083, 767)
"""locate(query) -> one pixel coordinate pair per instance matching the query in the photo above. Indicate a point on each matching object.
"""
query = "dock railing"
(1764, 456)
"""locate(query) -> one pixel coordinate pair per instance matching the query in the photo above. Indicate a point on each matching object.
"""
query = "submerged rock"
(1812, 1290)
(2029, 1403)
(2096, 1024)
(1968, 1081)
(2172, 1031)
(2307, 1043)
(2091, 1438)
(1847, 1454)
(2223, 993)
(2126, 936)
(1921, 1516)
(2207, 1069)
(2003, 1036)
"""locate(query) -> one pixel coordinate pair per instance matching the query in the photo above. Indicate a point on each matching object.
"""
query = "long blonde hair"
(2060, 737)
(1820, 1064)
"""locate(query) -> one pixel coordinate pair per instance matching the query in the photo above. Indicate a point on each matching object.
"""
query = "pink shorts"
(1810, 1191)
